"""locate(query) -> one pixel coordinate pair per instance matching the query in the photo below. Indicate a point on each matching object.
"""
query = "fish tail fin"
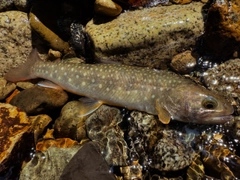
(24, 71)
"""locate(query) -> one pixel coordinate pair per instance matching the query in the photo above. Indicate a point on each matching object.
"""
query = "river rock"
(48, 164)
(147, 37)
(39, 99)
(222, 36)
(15, 32)
(5, 88)
(184, 62)
(102, 127)
(87, 163)
(107, 7)
(15, 136)
(70, 124)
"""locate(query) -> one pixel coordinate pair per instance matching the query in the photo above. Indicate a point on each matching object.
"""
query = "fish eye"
(209, 103)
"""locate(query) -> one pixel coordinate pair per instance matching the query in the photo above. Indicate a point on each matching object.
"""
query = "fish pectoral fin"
(163, 114)
(88, 106)
(48, 84)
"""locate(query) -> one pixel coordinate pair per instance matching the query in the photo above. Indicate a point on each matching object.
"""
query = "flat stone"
(147, 37)
(15, 32)
(39, 99)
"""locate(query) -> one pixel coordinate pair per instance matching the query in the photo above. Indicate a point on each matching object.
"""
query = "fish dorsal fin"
(163, 115)
(88, 106)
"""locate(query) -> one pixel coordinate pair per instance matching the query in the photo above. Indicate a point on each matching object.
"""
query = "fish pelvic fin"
(24, 71)
(163, 115)
(88, 106)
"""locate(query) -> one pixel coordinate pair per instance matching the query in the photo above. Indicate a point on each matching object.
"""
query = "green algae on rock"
(148, 37)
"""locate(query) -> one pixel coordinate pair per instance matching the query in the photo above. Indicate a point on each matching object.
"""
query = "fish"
(157, 92)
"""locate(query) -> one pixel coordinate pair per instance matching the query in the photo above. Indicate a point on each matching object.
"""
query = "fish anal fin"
(88, 106)
(163, 115)
(48, 84)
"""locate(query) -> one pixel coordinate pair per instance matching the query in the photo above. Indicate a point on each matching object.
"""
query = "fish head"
(194, 103)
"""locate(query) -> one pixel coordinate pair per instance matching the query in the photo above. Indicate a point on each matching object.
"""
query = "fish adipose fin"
(88, 106)
(23, 72)
(163, 114)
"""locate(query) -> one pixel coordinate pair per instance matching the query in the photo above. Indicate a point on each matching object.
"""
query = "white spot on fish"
(153, 96)
(100, 86)
(65, 73)
(107, 89)
(77, 76)
(93, 80)
(83, 83)
(84, 74)
(72, 69)
(62, 68)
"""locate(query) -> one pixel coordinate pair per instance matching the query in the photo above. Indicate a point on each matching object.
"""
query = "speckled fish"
(161, 93)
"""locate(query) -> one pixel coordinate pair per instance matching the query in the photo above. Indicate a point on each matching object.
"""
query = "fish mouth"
(219, 119)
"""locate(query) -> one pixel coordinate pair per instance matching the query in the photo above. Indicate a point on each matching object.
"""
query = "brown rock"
(183, 62)
(16, 35)
(69, 124)
(107, 7)
(222, 36)
(15, 128)
(39, 99)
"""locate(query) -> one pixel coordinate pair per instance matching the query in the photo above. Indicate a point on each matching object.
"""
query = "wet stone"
(107, 7)
(88, 163)
(39, 99)
(15, 32)
(70, 124)
(225, 78)
(39, 124)
(172, 152)
(6, 5)
(183, 63)
(5, 88)
(48, 164)
(102, 127)
(145, 37)
(15, 135)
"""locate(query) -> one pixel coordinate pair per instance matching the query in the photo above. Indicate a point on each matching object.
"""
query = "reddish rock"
(14, 131)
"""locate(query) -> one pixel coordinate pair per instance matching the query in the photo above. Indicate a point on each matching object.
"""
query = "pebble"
(15, 32)
(107, 7)
(25, 85)
(145, 37)
(183, 63)
(69, 124)
(15, 135)
(5, 88)
(38, 99)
